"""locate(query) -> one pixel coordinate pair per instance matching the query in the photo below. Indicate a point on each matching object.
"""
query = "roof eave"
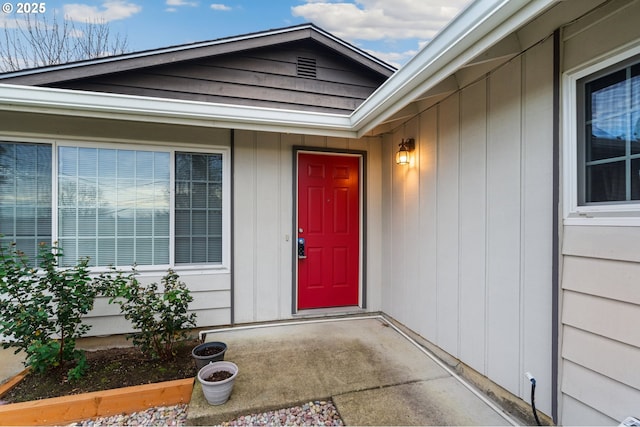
(481, 25)
(477, 28)
(157, 110)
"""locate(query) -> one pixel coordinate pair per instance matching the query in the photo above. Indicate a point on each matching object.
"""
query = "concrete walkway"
(373, 374)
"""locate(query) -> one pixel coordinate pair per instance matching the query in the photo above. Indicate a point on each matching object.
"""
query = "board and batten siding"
(263, 227)
(469, 225)
(211, 303)
(600, 280)
(299, 76)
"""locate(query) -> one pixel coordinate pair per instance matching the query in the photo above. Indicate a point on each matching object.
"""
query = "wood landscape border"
(78, 407)
(12, 382)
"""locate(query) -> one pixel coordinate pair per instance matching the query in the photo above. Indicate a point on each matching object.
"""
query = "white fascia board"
(481, 25)
(158, 110)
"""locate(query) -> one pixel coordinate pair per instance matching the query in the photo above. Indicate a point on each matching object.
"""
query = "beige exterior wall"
(469, 225)
(600, 370)
(600, 295)
(263, 221)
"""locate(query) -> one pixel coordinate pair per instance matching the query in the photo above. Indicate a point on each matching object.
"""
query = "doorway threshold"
(331, 311)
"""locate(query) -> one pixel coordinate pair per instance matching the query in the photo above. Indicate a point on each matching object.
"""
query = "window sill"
(182, 270)
(604, 219)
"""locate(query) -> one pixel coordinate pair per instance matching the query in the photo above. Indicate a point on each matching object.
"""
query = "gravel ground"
(159, 416)
(318, 413)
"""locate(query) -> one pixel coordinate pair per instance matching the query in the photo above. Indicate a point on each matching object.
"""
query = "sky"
(391, 30)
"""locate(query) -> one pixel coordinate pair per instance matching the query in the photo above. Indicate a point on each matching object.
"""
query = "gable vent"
(306, 67)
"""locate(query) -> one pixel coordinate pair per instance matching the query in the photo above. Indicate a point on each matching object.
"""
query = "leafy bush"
(160, 318)
(41, 310)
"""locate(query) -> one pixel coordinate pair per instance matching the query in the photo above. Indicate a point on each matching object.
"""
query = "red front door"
(329, 223)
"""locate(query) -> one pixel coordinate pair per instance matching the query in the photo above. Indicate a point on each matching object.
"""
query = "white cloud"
(174, 4)
(380, 19)
(397, 59)
(218, 6)
(111, 10)
(180, 3)
(76, 33)
(9, 21)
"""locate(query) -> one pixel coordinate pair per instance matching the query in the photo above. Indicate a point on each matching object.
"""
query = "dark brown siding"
(302, 75)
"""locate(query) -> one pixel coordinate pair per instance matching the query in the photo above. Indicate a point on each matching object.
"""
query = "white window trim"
(188, 269)
(622, 214)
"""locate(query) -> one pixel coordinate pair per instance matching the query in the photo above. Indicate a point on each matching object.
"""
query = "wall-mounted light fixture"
(406, 146)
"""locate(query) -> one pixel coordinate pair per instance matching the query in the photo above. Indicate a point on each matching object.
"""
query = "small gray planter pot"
(200, 353)
(217, 392)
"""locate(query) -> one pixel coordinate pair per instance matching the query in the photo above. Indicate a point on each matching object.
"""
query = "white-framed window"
(602, 141)
(119, 205)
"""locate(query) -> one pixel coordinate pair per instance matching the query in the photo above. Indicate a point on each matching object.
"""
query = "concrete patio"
(374, 374)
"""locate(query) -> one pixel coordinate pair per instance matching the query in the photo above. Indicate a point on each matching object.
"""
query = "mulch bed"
(107, 369)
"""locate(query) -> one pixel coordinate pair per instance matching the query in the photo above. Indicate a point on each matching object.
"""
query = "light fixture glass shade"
(402, 156)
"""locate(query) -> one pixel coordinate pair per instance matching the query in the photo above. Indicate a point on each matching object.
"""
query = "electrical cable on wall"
(533, 396)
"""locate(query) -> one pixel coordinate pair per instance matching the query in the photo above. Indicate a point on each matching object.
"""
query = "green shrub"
(41, 309)
(160, 318)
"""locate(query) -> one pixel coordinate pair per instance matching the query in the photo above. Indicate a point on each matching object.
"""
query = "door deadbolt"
(301, 248)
